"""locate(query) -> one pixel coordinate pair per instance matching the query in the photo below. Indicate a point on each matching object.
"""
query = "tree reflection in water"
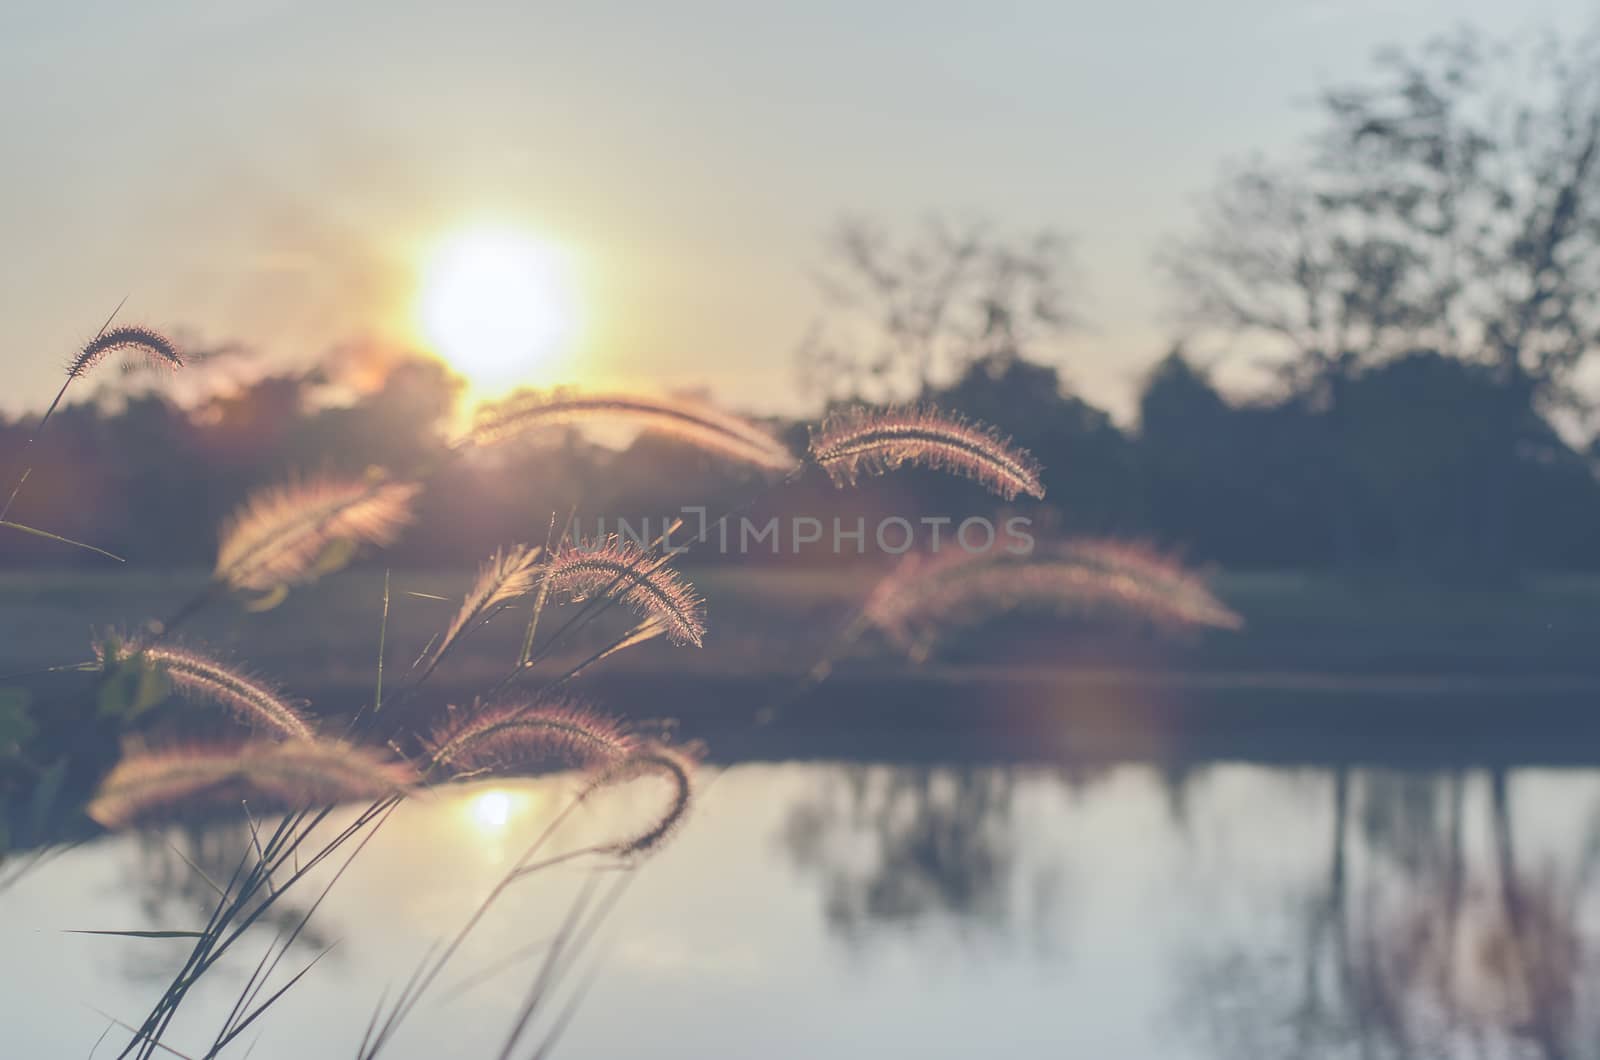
(924, 847)
(1416, 943)
(176, 874)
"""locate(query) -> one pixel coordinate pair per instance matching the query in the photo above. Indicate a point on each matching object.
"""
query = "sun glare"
(491, 810)
(494, 305)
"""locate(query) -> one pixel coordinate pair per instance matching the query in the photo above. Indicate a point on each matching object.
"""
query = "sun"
(495, 305)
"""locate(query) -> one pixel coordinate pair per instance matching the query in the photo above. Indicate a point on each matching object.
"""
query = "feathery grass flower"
(508, 574)
(292, 774)
(674, 765)
(862, 441)
(620, 568)
(513, 735)
(279, 535)
(929, 597)
(201, 678)
(152, 345)
(691, 422)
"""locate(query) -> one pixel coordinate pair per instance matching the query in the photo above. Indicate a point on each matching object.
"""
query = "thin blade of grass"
(569, 927)
(484, 975)
(406, 1003)
(131, 1028)
(246, 994)
(544, 587)
(383, 634)
(198, 871)
(48, 536)
(563, 1019)
(555, 967)
(311, 911)
(137, 934)
(255, 839)
(95, 1048)
(269, 1001)
(45, 419)
(426, 648)
(372, 1021)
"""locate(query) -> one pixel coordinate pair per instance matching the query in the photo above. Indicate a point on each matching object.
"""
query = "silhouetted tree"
(1440, 209)
(1266, 483)
(904, 314)
(1089, 472)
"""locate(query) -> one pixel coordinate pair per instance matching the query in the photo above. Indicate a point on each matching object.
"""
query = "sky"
(276, 174)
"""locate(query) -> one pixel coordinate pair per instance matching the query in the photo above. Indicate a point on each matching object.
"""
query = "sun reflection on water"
(492, 810)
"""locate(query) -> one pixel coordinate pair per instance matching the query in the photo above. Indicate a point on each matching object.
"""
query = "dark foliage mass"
(1385, 471)
(1420, 277)
(1424, 277)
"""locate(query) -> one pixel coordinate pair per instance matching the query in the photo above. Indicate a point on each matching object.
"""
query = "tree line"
(1421, 284)
(1267, 484)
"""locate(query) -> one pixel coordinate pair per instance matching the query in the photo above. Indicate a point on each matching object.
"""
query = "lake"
(1366, 827)
(859, 910)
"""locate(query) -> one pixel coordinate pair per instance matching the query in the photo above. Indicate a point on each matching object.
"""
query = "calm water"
(821, 909)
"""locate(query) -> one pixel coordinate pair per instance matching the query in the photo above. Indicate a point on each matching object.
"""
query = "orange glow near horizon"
(495, 304)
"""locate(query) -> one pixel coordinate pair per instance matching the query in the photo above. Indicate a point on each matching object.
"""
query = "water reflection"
(1428, 935)
(177, 875)
(917, 848)
(1224, 911)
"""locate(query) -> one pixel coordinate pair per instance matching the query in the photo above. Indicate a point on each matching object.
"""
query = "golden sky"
(275, 173)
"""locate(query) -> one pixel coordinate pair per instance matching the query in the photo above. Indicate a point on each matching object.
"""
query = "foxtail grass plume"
(280, 534)
(927, 598)
(691, 422)
(295, 774)
(1176, 594)
(510, 736)
(200, 678)
(508, 574)
(622, 569)
(867, 441)
(322, 772)
(675, 766)
(147, 782)
(153, 346)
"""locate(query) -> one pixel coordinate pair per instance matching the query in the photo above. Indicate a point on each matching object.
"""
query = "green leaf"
(132, 688)
(267, 601)
(108, 645)
(335, 555)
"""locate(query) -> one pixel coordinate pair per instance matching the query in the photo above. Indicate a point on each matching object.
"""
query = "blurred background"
(1306, 296)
